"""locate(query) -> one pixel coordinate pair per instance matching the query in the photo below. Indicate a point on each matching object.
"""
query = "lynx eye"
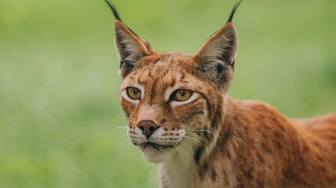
(181, 95)
(133, 93)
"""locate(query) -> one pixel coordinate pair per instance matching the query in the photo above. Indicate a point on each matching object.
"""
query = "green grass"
(60, 118)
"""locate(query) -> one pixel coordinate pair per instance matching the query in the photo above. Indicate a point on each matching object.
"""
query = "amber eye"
(133, 93)
(181, 95)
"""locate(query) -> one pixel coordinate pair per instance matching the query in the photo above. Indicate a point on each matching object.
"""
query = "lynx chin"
(180, 116)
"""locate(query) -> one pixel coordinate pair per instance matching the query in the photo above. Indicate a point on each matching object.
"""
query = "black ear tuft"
(235, 7)
(113, 9)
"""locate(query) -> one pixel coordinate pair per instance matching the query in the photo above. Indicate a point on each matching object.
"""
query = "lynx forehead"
(180, 115)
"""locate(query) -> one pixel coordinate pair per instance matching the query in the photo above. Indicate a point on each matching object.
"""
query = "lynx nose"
(147, 127)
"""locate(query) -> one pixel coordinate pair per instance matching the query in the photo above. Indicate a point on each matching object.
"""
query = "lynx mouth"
(157, 153)
(151, 145)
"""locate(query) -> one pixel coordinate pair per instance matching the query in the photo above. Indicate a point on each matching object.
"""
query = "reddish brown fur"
(264, 148)
(213, 140)
(274, 151)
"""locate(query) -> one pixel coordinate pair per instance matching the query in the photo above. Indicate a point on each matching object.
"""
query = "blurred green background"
(60, 120)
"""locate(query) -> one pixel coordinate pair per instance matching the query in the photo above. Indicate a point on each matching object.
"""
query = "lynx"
(180, 115)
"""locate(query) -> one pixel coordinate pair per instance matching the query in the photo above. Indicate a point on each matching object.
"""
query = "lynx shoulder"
(180, 116)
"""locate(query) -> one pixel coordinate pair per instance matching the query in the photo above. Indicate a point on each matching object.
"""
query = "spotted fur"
(211, 139)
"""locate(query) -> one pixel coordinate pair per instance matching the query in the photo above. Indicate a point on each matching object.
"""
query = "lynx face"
(167, 106)
(174, 101)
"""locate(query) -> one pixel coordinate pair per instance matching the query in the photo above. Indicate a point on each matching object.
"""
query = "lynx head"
(174, 102)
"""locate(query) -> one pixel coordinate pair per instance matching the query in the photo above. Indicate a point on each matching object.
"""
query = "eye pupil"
(135, 91)
(182, 93)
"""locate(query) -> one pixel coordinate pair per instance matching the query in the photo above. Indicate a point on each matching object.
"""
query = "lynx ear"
(131, 48)
(215, 59)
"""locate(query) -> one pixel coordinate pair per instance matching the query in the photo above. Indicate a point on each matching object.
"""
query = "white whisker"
(199, 140)
(195, 131)
(180, 148)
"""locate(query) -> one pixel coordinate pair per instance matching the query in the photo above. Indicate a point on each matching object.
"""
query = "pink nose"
(147, 127)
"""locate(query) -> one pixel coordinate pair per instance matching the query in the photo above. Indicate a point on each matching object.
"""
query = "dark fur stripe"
(198, 153)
